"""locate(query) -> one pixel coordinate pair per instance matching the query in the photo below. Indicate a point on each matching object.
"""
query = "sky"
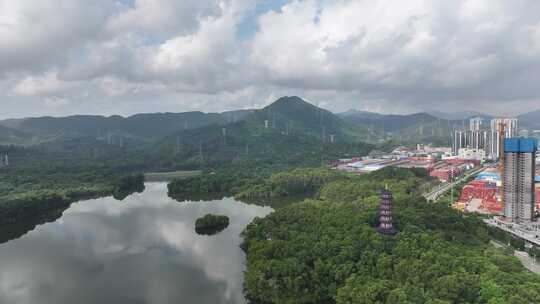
(64, 57)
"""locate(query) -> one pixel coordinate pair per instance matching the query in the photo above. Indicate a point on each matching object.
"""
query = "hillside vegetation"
(326, 250)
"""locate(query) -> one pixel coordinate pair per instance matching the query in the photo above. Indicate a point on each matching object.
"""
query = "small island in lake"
(211, 224)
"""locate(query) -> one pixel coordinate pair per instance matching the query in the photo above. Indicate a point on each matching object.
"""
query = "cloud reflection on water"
(140, 250)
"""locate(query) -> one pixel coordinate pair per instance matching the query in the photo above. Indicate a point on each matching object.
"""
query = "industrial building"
(519, 178)
(444, 169)
(472, 153)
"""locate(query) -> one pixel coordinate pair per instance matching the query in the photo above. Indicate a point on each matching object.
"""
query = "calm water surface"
(143, 249)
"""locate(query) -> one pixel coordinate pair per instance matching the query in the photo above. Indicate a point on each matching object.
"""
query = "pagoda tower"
(385, 214)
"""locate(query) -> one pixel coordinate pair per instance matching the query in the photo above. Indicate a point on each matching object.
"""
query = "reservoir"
(142, 250)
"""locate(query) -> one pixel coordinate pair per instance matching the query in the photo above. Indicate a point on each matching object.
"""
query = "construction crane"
(502, 136)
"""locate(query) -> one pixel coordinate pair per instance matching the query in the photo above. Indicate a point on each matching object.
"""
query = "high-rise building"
(460, 141)
(478, 137)
(385, 214)
(510, 126)
(518, 178)
(475, 124)
(493, 145)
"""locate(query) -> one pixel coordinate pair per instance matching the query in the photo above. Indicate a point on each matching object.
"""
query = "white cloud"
(180, 55)
(39, 85)
(55, 101)
(164, 16)
(35, 34)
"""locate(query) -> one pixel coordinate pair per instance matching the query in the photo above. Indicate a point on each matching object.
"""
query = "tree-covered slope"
(328, 251)
(12, 136)
(250, 140)
(294, 115)
(530, 120)
(147, 126)
(416, 127)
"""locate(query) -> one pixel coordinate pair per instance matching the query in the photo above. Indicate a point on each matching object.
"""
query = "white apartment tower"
(510, 126)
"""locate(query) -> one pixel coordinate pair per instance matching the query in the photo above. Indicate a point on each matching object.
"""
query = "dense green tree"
(327, 251)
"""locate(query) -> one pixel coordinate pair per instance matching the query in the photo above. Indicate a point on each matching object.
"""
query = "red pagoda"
(385, 215)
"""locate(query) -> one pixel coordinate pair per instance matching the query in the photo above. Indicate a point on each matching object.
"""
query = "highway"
(433, 195)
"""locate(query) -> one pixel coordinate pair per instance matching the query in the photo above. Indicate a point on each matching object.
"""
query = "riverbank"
(34, 203)
(144, 239)
(168, 176)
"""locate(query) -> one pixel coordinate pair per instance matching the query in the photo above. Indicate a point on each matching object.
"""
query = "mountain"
(412, 127)
(290, 128)
(142, 127)
(12, 136)
(458, 115)
(388, 122)
(294, 115)
(530, 120)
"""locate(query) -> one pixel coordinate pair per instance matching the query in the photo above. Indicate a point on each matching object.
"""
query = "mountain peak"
(292, 104)
(290, 100)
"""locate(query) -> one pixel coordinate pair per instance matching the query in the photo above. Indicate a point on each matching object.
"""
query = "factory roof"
(488, 175)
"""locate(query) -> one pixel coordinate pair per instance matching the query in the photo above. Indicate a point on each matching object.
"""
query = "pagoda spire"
(386, 226)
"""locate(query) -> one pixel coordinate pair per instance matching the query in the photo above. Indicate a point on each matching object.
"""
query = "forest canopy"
(326, 250)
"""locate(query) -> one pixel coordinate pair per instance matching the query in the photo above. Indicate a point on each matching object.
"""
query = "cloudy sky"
(60, 57)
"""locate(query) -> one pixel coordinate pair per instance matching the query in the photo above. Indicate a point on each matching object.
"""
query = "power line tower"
(224, 132)
(177, 149)
(201, 158)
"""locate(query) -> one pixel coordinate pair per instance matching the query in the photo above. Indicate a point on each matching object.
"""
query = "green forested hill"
(289, 130)
(12, 136)
(144, 126)
(530, 120)
(141, 127)
(250, 140)
(327, 250)
(416, 127)
(294, 115)
(290, 115)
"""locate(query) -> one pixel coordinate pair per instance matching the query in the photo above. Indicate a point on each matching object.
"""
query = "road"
(433, 195)
(526, 260)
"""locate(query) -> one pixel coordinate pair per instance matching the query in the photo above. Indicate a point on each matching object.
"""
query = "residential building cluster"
(516, 194)
(519, 192)
(482, 140)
